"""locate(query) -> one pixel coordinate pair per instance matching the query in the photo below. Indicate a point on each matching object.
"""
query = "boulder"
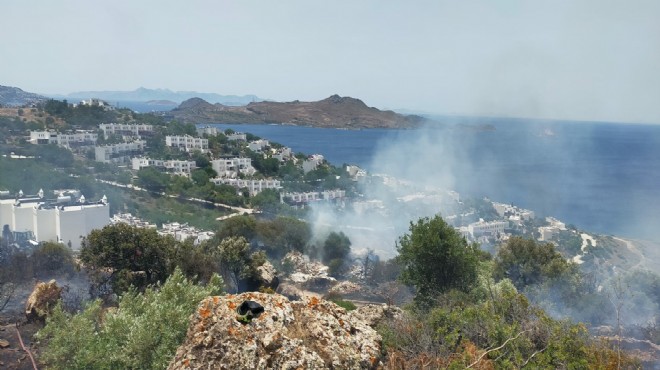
(267, 276)
(374, 314)
(290, 291)
(308, 334)
(42, 300)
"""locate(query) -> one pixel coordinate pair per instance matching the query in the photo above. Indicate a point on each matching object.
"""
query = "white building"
(547, 232)
(482, 227)
(50, 220)
(187, 143)
(79, 138)
(312, 162)
(131, 220)
(67, 140)
(208, 130)
(119, 153)
(283, 154)
(231, 167)
(96, 103)
(173, 166)
(313, 196)
(43, 137)
(513, 212)
(356, 173)
(237, 136)
(253, 186)
(182, 232)
(128, 130)
(258, 145)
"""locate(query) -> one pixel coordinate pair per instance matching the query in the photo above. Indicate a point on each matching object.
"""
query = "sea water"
(601, 177)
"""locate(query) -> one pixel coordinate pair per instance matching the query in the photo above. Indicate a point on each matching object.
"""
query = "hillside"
(15, 97)
(334, 112)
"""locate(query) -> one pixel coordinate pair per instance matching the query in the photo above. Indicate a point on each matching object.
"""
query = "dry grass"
(29, 115)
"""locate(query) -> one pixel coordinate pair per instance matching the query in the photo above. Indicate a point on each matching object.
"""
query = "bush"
(142, 333)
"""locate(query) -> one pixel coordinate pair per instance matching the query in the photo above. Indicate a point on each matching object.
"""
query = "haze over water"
(602, 177)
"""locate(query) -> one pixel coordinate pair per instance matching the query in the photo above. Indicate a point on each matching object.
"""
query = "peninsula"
(332, 112)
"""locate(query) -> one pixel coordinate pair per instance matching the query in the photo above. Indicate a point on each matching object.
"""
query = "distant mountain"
(13, 96)
(335, 111)
(144, 95)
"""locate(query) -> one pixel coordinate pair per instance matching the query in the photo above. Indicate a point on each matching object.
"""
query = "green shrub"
(347, 305)
(142, 333)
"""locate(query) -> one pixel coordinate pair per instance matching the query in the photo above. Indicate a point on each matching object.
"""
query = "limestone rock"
(373, 314)
(268, 276)
(311, 333)
(310, 275)
(42, 300)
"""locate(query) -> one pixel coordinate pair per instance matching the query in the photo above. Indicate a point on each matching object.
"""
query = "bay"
(601, 177)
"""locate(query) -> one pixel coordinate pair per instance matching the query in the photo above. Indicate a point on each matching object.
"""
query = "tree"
(268, 200)
(236, 261)
(152, 179)
(283, 235)
(52, 258)
(242, 225)
(527, 262)
(132, 255)
(336, 246)
(435, 258)
(336, 249)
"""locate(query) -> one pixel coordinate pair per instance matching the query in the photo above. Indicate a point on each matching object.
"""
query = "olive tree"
(435, 258)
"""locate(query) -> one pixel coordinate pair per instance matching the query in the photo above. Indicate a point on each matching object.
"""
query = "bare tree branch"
(496, 348)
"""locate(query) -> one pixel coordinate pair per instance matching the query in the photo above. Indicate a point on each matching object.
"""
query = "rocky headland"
(332, 112)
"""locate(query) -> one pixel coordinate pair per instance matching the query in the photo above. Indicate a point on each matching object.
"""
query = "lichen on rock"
(311, 333)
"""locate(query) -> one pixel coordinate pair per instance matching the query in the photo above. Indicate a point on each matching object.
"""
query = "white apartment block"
(503, 209)
(187, 143)
(237, 136)
(356, 173)
(174, 166)
(283, 154)
(258, 145)
(67, 140)
(129, 219)
(131, 130)
(96, 103)
(209, 130)
(80, 138)
(482, 227)
(43, 137)
(49, 220)
(118, 153)
(253, 186)
(312, 162)
(313, 196)
(182, 232)
(547, 232)
(231, 167)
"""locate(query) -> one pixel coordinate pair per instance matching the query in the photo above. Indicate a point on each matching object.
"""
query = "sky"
(561, 59)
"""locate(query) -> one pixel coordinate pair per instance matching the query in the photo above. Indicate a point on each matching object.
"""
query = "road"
(237, 210)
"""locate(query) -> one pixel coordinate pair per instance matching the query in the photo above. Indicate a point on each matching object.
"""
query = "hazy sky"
(593, 60)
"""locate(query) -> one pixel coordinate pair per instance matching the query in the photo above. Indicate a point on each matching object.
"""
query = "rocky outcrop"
(308, 334)
(309, 275)
(42, 300)
(267, 276)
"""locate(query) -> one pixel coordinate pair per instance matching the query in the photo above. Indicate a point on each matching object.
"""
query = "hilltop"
(334, 111)
(15, 97)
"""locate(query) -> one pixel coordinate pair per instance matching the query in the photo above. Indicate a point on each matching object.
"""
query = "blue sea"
(601, 177)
